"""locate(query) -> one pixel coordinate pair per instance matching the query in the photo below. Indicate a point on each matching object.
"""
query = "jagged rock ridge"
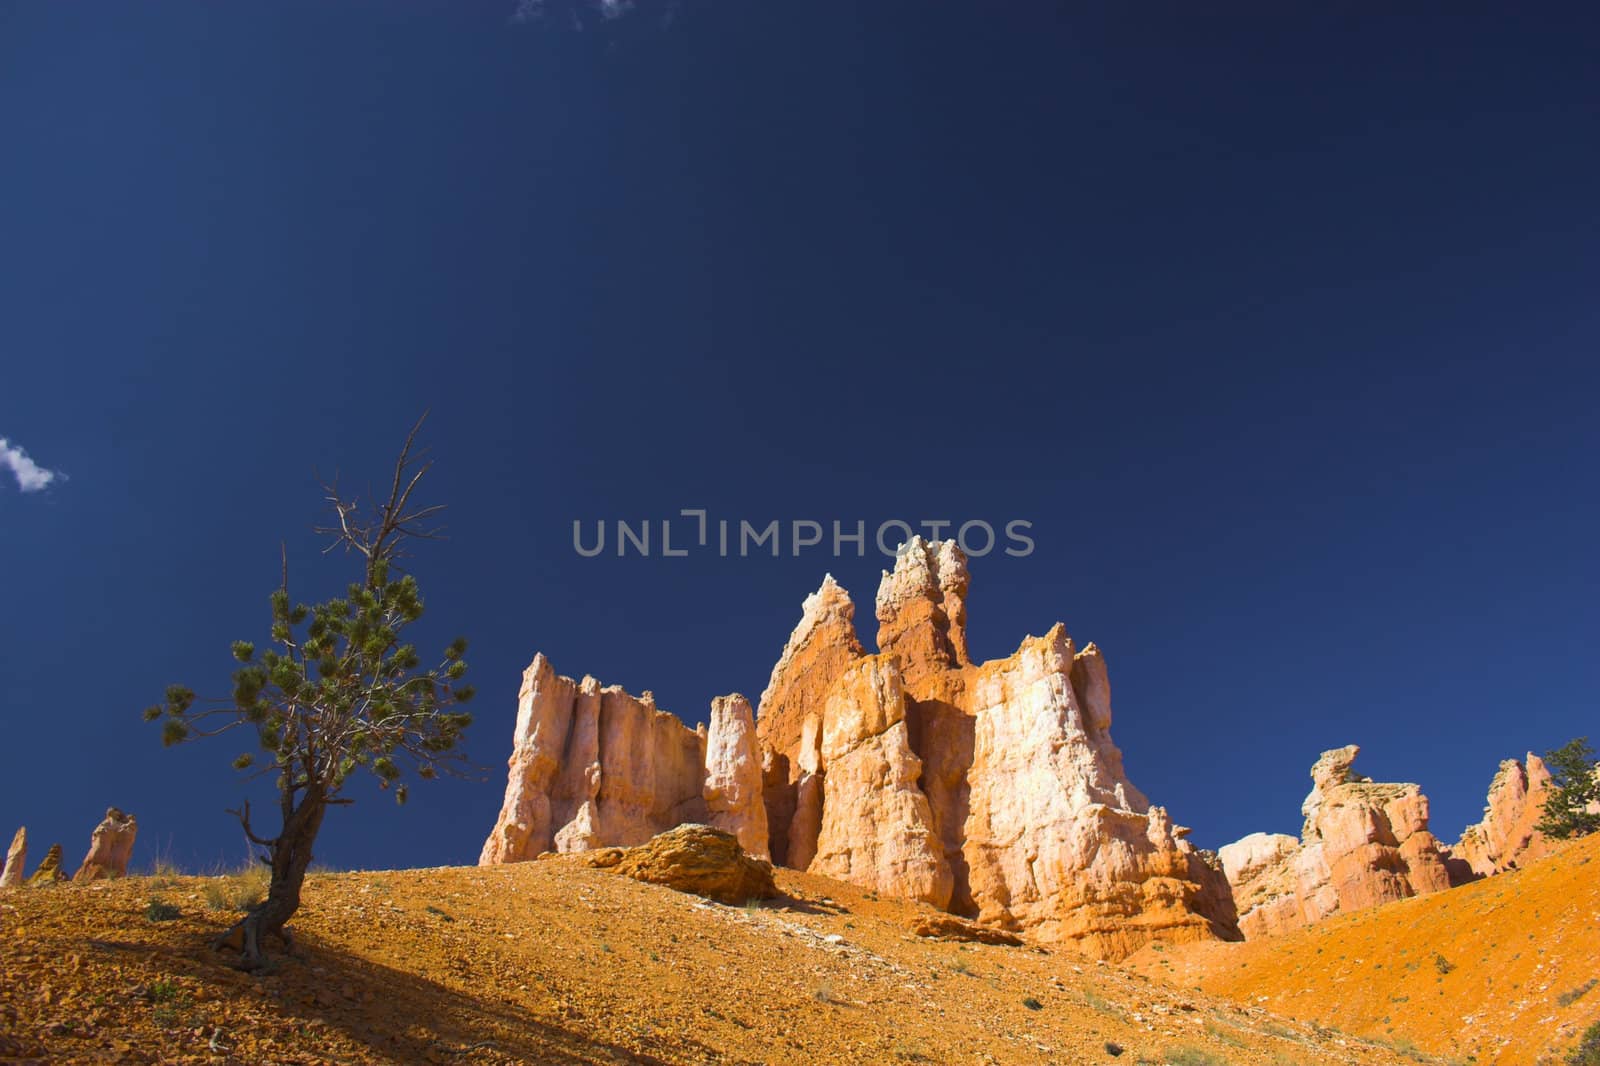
(993, 790)
(1363, 843)
(593, 766)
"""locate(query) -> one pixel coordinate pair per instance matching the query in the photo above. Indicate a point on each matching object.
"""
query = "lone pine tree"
(1574, 791)
(337, 690)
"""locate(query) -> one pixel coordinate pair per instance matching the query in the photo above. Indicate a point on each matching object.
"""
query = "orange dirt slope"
(1504, 970)
(553, 962)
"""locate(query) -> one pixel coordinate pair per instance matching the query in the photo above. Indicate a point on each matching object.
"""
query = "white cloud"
(31, 477)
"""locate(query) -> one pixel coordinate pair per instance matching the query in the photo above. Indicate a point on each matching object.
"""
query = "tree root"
(246, 935)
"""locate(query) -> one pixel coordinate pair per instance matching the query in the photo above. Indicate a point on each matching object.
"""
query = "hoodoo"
(992, 790)
(1363, 843)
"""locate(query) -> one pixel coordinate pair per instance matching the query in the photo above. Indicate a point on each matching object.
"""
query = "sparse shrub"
(1091, 999)
(1442, 964)
(162, 990)
(1224, 1035)
(960, 965)
(172, 1004)
(1572, 995)
(1031, 1003)
(1188, 1055)
(238, 891)
(824, 993)
(161, 911)
(1587, 1052)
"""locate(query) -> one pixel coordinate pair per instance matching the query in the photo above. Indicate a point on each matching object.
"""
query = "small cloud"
(31, 477)
(528, 11)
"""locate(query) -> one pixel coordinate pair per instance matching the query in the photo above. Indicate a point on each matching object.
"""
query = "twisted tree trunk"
(290, 856)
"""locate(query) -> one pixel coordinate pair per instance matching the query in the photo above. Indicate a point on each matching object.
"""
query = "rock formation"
(1363, 843)
(593, 766)
(948, 927)
(732, 788)
(915, 769)
(1506, 837)
(110, 847)
(875, 827)
(992, 791)
(49, 871)
(16, 859)
(821, 647)
(1260, 867)
(699, 859)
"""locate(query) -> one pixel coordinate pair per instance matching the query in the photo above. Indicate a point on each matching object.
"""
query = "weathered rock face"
(593, 766)
(991, 790)
(876, 827)
(1506, 837)
(1260, 869)
(49, 871)
(110, 847)
(16, 859)
(821, 647)
(1363, 843)
(922, 609)
(732, 788)
(702, 860)
(949, 927)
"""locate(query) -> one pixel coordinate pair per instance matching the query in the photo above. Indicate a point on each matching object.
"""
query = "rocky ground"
(1503, 970)
(554, 962)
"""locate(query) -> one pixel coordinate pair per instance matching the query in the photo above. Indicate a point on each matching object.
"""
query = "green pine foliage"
(336, 690)
(1575, 787)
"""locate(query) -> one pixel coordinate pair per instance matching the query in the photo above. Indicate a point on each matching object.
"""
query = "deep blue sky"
(1280, 326)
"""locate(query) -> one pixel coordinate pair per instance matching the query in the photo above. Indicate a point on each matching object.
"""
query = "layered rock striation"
(593, 766)
(1506, 837)
(1363, 843)
(990, 790)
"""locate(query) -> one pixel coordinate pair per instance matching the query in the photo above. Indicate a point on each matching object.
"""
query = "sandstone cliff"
(593, 766)
(1506, 837)
(991, 790)
(1363, 843)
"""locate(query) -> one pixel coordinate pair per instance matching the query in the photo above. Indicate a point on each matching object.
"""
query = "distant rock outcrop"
(49, 871)
(16, 858)
(1506, 837)
(110, 847)
(699, 859)
(1363, 843)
